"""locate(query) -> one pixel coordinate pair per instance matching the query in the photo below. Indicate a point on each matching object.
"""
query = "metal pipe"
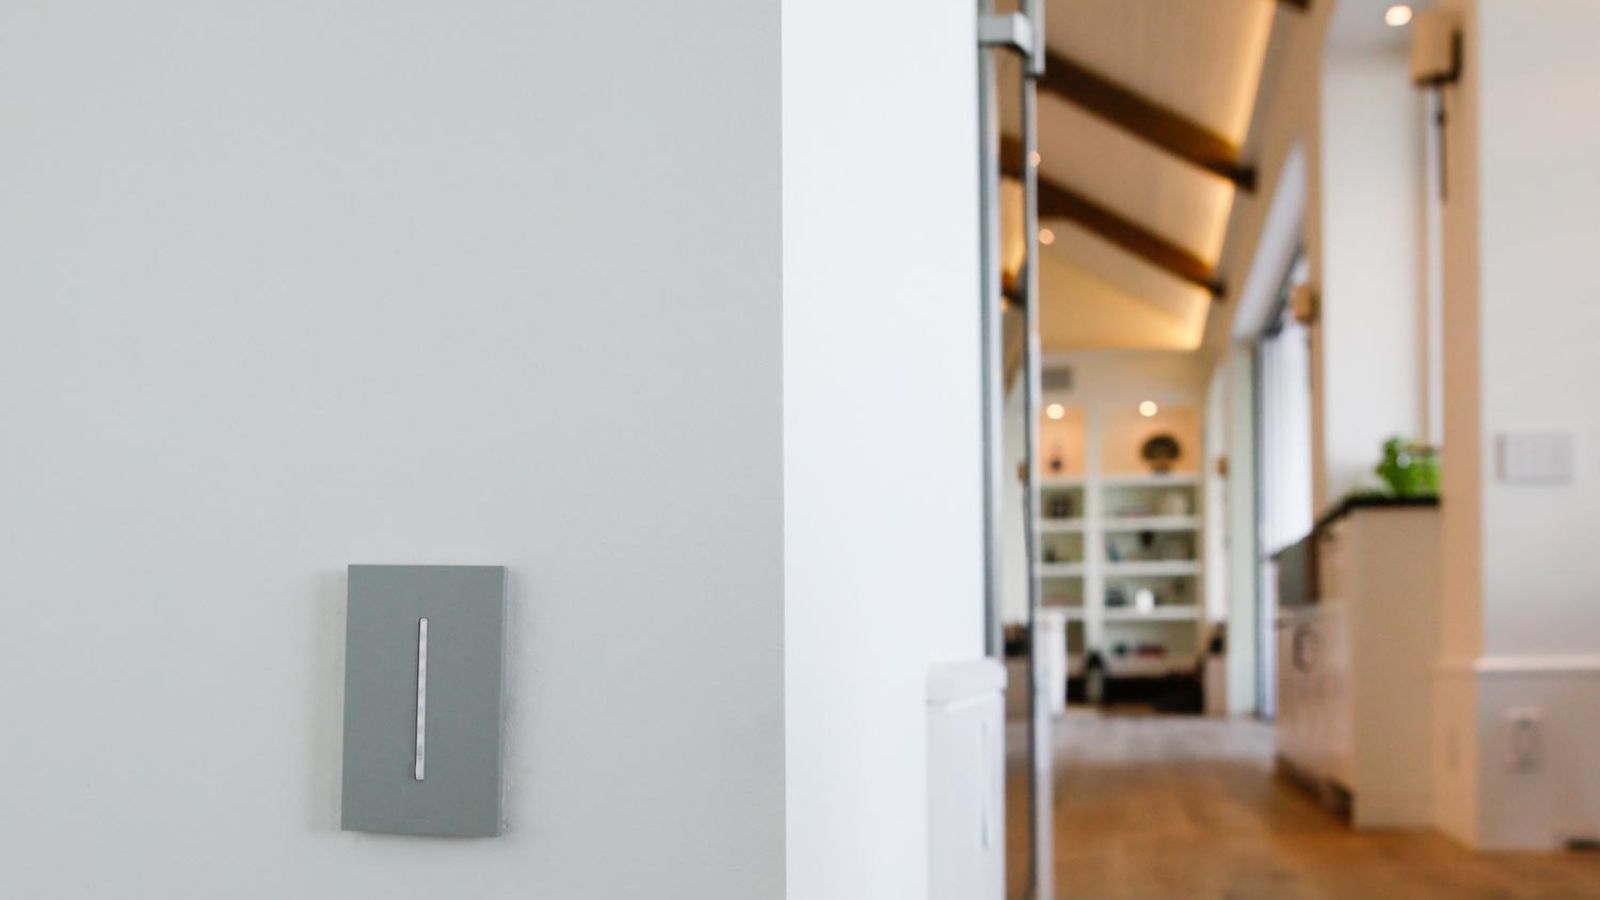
(1040, 753)
(1024, 35)
(991, 336)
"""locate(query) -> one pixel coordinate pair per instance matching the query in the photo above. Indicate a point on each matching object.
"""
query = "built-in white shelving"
(1153, 523)
(1167, 479)
(1158, 614)
(1152, 567)
(1120, 552)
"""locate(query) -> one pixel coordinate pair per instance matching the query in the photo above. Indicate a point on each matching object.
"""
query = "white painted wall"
(882, 523)
(1521, 572)
(1367, 263)
(1240, 535)
(290, 286)
(1539, 189)
(1216, 494)
(1013, 538)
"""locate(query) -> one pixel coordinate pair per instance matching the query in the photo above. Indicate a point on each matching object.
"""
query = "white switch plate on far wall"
(1536, 457)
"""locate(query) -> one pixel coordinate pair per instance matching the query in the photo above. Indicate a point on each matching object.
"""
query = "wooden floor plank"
(1182, 808)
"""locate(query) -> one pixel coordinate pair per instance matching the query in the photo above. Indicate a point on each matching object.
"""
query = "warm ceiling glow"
(1056, 411)
(1034, 159)
(1148, 408)
(1047, 237)
(1398, 15)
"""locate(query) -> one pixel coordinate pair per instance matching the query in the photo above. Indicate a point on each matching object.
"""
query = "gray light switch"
(423, 688)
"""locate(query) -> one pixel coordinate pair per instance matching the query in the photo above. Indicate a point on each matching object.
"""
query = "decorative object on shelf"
(1409, 469)
(1144, 600)
(1175, 503)
(1217, 639)
(1015, 638)
(1161, 453)
(1049, 553)
(1116, 598)
(1094, 676)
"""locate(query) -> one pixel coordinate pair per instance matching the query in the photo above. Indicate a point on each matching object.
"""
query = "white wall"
(1216, 494)
(1521, 575)
(1538, 232)
(1013, 538)
(1240, 537)
(882, 475)
(1367, 263)
(291, 286)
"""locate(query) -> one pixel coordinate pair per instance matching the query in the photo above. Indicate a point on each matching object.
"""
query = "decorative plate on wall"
(1161, 452)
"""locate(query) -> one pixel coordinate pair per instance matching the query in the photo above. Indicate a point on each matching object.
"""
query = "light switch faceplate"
(423, 700)
(1536, 457)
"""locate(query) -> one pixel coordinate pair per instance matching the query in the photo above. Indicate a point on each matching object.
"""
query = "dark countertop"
(1371, 501)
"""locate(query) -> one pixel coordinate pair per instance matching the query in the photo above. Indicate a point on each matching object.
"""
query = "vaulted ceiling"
(1142, 111)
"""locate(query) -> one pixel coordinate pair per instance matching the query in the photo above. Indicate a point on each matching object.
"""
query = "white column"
(1522, 628)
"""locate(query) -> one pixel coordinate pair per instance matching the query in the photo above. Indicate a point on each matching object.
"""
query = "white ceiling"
(1201, 58)
(1359, 24)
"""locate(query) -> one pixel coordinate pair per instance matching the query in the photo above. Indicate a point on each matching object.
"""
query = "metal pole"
(1023, 34)
(1041, 756)
(992, 351)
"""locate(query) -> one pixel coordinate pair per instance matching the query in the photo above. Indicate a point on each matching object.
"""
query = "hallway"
(1161, 808)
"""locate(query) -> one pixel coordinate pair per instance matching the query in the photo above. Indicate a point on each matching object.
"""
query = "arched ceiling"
(1142, 111)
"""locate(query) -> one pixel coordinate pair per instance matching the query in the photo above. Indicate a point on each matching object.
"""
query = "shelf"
(1159, 614)
(1152, 523)
(1158, 567)
(1176, 479)
(1082, 542)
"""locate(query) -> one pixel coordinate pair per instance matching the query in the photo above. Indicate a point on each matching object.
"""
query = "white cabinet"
(1355, 670)
(966, 781)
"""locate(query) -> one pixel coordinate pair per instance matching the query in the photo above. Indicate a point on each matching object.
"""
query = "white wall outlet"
(1536, 457)
(1524, 740)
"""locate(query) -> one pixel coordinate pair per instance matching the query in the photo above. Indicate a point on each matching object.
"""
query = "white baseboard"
(1535, 807)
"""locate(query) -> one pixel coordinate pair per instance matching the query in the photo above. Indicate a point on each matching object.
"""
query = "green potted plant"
(1409, 469)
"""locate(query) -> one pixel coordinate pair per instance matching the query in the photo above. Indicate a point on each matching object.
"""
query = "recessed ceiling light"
(1397, 15)
(1034, 159)
(1047, 237)
(1148, 408)
(1056, 411)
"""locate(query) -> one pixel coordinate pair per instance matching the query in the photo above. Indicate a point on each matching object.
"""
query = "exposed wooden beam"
(1170, 130)
(1057, 201)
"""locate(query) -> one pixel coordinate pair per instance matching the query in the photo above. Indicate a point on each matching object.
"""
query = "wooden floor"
(1160, 808)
